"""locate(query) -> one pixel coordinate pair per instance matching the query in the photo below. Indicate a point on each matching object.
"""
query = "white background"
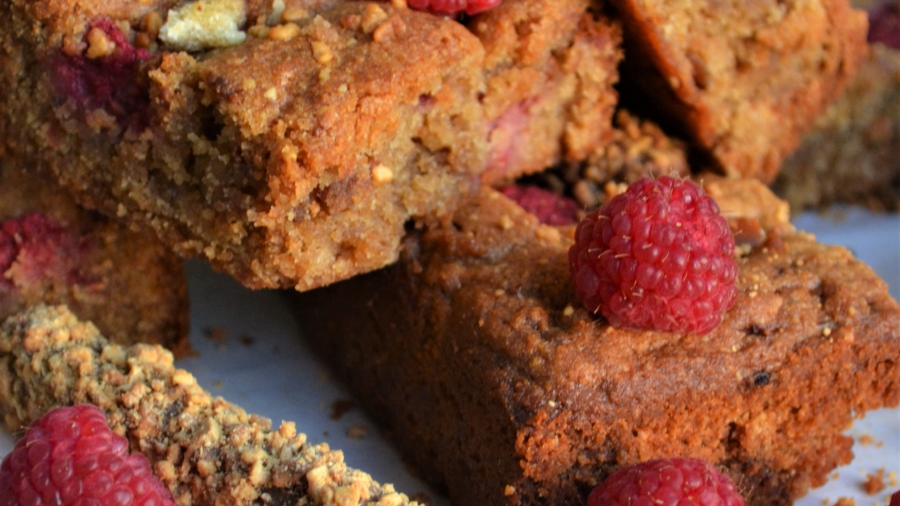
(263, 365)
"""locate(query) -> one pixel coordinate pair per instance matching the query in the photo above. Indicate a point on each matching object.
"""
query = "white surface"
(275, 375)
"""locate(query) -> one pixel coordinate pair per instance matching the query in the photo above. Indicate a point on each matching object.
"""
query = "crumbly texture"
(133, 288)
(550, 67)
(853, 155)
(291, 160)
(638, 148)
(495, 381)
(204, 449)
(743, 80)
(295, 158)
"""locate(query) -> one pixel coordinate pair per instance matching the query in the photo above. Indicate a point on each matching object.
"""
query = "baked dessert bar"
(550, 67)
(203, 448)
(289, 142)
(53, 252)
(499, 385)
(853, 155)
(744, 80)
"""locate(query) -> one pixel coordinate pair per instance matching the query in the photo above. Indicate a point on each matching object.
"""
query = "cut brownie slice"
(744, 80)
(53, 252)
(203, 448)
(474, 350)
(289, 146)
(292, 158)
(550, 67)
(853, 155)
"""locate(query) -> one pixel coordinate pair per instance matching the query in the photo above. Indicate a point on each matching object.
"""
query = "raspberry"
(884, 25)
(71, 457)
(895, 499)
(34, 247)
(659, 256)
(452, 7)
(666, 482)
(550, 208)
(113, 83)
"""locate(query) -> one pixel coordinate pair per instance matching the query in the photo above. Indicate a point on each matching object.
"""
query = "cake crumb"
(874, 482)
(358, 431)
(339, 408)
(216, 333)
(845, 501)
(509, 490)
(892, 479)
(866, 440)
(247, 340)
(218, 384)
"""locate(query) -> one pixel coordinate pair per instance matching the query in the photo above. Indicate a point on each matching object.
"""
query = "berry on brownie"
(34, 246)
(884, 25)
(550, 208)
(70, 456)
(667, 482)
(109, 77)
(659, 256)
(450, 7)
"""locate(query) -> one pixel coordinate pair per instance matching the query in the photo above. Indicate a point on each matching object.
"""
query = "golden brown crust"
(474, 349)
(204, 449)
(742, 80)
(132, 287)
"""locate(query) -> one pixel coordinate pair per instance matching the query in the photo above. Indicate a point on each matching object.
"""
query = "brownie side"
(853, 155)
(550, 68)
(205, 449)
(290, 160)
(742, 80)
(53, 252)
(498, 385)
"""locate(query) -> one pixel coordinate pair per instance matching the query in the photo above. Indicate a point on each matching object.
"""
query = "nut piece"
(204, 24)
(99, 44)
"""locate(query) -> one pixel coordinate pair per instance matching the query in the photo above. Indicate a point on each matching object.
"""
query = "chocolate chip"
(761, 378)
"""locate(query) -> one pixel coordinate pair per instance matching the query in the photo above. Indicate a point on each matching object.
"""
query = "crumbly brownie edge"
(204, 449)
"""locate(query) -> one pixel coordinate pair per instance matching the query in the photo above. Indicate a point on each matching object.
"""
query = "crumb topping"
(204, 449)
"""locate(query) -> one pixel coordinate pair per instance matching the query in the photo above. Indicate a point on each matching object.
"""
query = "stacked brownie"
(296, 144)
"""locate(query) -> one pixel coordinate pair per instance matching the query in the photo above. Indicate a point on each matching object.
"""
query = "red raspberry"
(666, 482)
(451, 7)
(70, 457)
(34, 247)
(550, 208)
(895, 499)
(116, 83)
(659, 256)
(884, 25)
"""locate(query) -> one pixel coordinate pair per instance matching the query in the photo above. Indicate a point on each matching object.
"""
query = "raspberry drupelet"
(550, 208)
(71, 457)
(666, 482)
(659, 256)
(452, 7)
